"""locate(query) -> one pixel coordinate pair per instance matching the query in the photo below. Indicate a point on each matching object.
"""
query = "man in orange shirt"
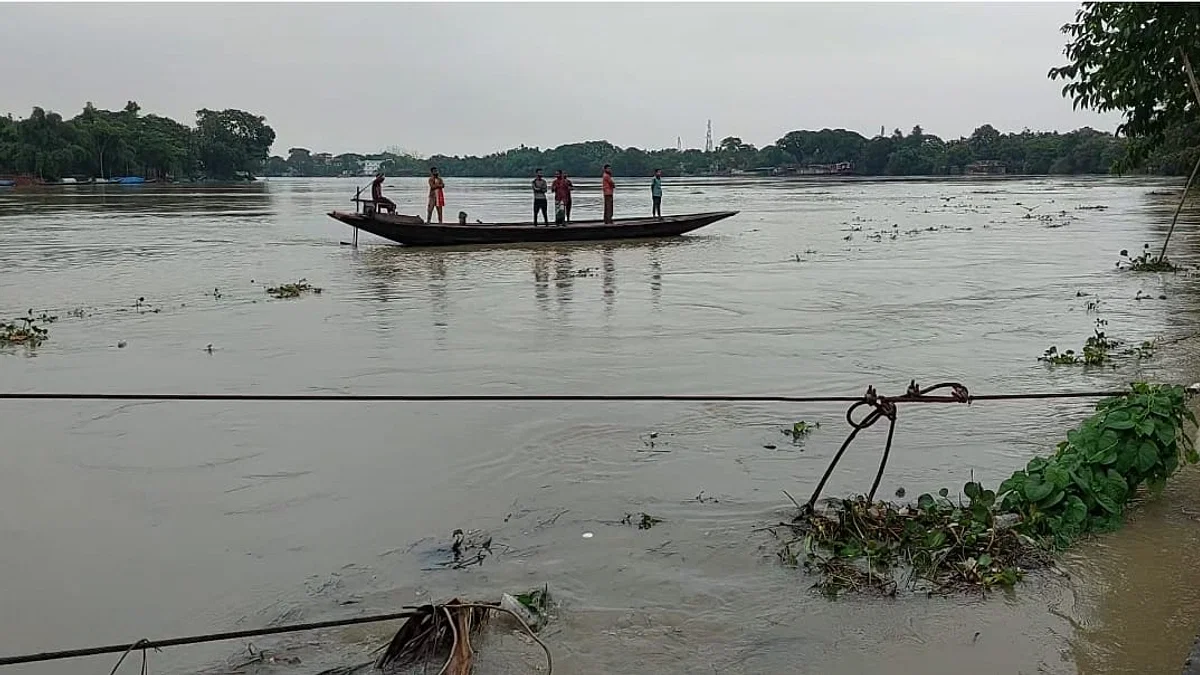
(437, 196)
(608, 187)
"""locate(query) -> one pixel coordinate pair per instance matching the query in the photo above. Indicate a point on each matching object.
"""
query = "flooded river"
(123, 521)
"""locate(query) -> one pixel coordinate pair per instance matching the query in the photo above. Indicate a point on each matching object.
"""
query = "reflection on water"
(198, 518)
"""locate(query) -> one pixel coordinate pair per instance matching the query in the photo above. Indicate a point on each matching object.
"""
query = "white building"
(371, 166)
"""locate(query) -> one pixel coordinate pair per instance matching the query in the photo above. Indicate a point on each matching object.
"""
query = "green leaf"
(972, 490)
(1074, 510)
(1053, 499)
(1119, 419)
(1057, 476)
(1165, 432)
(925, 501)
(944, 492)
(1146, 458)
(1146, 426)
(985, 560)
(1109, 440)
(1107, 504)
(1036, 490)
(935, 539)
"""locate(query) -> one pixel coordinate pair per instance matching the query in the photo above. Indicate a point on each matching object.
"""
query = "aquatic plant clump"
(293, 290)
(29, 331)
(1097, 350)
(853, 544)
(1146, 262)
(801, 429)
(1133, 441)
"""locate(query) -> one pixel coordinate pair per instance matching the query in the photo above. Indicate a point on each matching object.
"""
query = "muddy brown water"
(122, 521)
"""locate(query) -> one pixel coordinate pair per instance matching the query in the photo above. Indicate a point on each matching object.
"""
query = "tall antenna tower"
(708, 139)
(679, 144)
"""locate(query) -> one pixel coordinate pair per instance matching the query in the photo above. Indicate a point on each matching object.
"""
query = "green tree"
(231, 143)
(1130, 57)
(163, 147)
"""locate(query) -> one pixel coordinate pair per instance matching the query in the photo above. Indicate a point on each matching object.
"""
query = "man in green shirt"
(656, 193)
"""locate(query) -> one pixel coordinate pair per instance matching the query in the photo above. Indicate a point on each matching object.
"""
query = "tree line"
(96, 143)
(1083, 151)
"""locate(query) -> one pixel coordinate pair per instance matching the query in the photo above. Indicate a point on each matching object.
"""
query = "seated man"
(381, 202)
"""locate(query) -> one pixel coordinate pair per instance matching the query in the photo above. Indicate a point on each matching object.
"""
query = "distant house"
(838, 169)
(371, 166)
(987, 167)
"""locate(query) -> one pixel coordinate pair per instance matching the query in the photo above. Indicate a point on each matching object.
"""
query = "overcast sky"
(473, 78)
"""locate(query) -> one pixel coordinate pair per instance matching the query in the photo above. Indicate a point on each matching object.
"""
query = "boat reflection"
(441, 275)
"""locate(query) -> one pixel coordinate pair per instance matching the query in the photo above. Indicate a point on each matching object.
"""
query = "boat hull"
(411, 231)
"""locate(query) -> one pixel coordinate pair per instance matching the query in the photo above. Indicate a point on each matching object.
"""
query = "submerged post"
(357, 209)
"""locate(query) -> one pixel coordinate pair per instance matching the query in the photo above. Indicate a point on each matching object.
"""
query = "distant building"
(987, 167)
(838, 169)
(371, 166)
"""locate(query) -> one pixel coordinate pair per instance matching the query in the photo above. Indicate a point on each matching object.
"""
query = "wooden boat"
(412, 231)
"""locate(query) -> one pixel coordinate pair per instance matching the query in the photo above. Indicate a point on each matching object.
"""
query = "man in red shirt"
(562, 197)
(608, 187)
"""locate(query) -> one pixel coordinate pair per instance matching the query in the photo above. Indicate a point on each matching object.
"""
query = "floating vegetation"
(652, 441)
(875, 547)
(1098, 207)
(1096, 350)
(800, 430)
(293, 290)
(1145, 262)
(141, 306)
(644, 521)
(1135, 440)
(29, 331)
(1142, 351)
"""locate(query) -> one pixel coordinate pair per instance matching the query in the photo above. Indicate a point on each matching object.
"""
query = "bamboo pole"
(1187, 66)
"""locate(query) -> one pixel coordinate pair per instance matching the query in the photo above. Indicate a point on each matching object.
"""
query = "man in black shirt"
(539, 198)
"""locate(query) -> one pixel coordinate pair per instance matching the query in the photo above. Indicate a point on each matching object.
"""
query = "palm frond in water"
(440, 633)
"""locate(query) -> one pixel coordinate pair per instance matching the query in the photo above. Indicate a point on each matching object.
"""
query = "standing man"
(539, 198)
(608, 187)
(562, 195)
(566, 188)
(656, 193)
(437, 198)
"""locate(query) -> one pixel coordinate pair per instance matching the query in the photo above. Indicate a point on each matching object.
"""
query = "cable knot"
(914, 390)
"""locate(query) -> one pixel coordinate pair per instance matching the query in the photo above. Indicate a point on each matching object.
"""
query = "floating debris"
(443, 634)
(1145, 262)
(800, 430)
(28, 331)
(293, 290)
(644, 522)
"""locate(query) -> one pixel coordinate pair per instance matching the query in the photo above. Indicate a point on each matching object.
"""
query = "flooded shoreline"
(164, 519)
